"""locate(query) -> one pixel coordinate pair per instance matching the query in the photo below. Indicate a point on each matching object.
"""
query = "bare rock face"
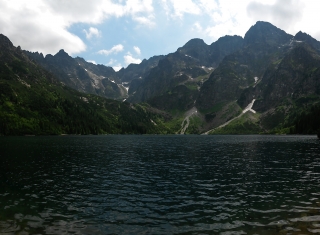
(296, 76)
(81, 75)
(5, 43)
(266, 33)
(91, 78)
(190, 65)
(263, 45)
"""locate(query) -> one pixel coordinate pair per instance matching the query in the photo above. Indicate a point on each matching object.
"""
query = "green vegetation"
(48, 109)
(308, 121)
(216, 108)
(204, 77)
(191, 86)
(230, 110)
(294, 117)
(174, 124)
(178, 100)
(32, 103)
(246, 124)
(195, 123)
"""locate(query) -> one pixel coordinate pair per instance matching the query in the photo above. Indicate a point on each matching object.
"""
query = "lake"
(160, 185)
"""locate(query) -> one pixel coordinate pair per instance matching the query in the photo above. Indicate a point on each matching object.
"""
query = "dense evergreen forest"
(33, 102)
(308, 122)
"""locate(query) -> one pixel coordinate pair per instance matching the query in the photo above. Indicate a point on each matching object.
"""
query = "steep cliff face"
(190, 65)
(265, 33)
(263, 45)
(81, 75)
(136, 71)
(197, 50)
(289, 87)
(224, 46)
(132, 76)
(16, 65)
(295, 76)
(306, 38)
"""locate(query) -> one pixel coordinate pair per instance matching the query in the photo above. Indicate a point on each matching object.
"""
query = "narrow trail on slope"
(248, 108)
(185, 123)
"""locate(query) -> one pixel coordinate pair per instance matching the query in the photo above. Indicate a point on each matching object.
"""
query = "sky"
(116, 33)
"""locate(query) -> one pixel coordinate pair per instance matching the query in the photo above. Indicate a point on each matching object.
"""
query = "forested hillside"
(32, 101)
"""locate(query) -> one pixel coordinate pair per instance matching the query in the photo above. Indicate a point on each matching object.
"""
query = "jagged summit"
(4, 41)
(228, 38)
(264, 32)
(62, 53)
(195, 42)
(304, 37)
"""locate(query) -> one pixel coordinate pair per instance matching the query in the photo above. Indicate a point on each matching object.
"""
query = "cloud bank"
(129, 59)
(82, 26)
(92, 32)
(283, 13)
(114, 50)
(40, 25)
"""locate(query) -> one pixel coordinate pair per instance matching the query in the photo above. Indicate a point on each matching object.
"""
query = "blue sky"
(119, 32)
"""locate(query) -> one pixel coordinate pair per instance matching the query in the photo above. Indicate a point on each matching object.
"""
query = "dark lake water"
(160, 185)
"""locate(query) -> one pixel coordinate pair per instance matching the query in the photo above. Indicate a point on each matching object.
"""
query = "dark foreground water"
(160, 185)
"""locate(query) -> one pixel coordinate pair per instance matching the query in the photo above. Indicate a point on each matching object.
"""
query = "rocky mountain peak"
(62, 53)
(5, 42)
(304, 37)
(195, 48)
(228, 38)
(196, 42)
(227, 43)
(301, 35)
(264, 32)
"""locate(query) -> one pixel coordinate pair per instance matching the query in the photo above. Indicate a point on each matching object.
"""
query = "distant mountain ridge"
(34, 102)
(204, 86)
(103, 80)
(91, 78)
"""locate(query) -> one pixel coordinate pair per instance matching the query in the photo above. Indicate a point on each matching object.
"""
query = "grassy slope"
(246, 124)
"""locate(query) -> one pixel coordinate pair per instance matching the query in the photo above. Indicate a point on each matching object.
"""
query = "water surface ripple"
(160, 185)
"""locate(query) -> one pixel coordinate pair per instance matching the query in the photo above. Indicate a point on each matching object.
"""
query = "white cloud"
(236, 17)
(117, 67)
(33, 26)
(197, 27)
(310, 16)
(92, 32)
(137, 50)
(147, 21)
(208, 6)
(214, 19)
(114, 50)
(92, 61)
(177, 8)
(129, 59)
(42, 25)
(112, 62)
(227, 17)
(283, 13)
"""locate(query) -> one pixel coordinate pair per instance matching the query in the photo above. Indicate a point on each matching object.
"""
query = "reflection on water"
(160, 185)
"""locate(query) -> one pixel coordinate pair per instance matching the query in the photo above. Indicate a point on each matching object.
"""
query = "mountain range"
(266, 82)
